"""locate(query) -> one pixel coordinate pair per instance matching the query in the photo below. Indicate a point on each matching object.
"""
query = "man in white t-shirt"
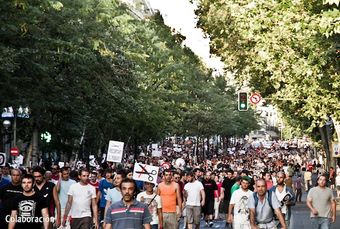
(239, 202)
(286, 197)
(153, 201)
(195, 198)
(81, 196)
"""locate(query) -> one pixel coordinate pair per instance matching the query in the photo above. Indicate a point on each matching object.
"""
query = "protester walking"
(128, 213)
(263, 206)
(238, 208)
(81, 200)
(194, 199)
(321, 202)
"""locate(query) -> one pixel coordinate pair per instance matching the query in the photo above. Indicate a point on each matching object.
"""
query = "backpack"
(269, 200)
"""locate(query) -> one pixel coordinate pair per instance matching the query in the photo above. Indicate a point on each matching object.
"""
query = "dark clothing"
(181, 188)
(7, 194)
(4, 182)
(208, 208)
(29, 211)
(227, 184)
(47, 193)
(209, 189)
(81, 223)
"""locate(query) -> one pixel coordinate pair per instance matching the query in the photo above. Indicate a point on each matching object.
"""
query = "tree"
(284, 49)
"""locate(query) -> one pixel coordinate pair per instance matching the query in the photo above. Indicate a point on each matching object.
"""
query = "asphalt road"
(300, 218)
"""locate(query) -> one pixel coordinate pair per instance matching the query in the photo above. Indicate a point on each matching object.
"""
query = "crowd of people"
(247, 187)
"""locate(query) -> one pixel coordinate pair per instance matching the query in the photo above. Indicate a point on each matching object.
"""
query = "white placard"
(146, 173)
(157, 153)
(61, 164)
(2, 159)
(154, 147)
(336, 152)
(178, 150)
(19, 159)
(115, 151)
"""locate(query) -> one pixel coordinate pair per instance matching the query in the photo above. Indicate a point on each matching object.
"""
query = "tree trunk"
(337, 128)
(208, 146)
(325, 142)
(32, 154)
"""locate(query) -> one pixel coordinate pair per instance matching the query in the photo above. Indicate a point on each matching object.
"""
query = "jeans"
(154, 226)
(298, 195)
(321, 223)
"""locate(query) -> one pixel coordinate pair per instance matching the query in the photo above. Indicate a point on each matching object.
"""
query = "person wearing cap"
(153, 201)
(239, 203)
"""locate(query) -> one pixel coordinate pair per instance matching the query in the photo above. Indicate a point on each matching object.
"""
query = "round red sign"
(255, 98)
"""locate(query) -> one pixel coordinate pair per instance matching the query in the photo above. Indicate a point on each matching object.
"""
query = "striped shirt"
(133, 217)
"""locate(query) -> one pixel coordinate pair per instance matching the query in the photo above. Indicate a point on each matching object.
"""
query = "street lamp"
(7, 115)
(6, 123)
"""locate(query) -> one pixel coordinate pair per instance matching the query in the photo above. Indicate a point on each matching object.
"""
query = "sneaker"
(211, 224)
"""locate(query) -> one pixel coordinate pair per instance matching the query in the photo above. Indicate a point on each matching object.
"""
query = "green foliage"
(89, 68)
(285, 49)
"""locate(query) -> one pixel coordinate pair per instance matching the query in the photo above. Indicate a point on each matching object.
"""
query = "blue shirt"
(104, 185)
(133, 217)
(113, 195)
(4, 182)
(64, 187)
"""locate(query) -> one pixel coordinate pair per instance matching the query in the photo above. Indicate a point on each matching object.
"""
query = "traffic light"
(242, 101)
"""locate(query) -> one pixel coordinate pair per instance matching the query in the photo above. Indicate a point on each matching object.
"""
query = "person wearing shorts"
(194, 196)
(169, 191)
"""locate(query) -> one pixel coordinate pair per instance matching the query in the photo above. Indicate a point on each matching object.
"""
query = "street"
(300, 217)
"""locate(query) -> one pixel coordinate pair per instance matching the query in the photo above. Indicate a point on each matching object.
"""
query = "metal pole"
(15, 132)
